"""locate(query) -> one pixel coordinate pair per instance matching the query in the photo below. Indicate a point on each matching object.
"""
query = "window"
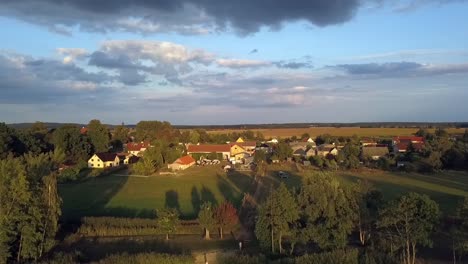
(99, 165)
(92, 159)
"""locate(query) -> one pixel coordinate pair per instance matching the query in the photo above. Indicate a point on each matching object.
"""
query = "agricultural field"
(336, 131)
(131, 196)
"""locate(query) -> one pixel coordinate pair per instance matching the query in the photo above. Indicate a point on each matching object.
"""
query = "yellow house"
(240, 140)
(238, 152)
(103, 160)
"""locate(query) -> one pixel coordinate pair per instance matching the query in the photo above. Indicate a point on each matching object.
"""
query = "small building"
(182, 163)
(374, 152)
(308, 140)
(223, 149)
(103, 160)
(137, 148)
(327, 149)
(401, 144)
(263, 147)
(300, 152)
(311, 152)
(273, 140)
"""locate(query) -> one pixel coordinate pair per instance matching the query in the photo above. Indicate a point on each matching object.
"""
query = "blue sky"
(204, 62)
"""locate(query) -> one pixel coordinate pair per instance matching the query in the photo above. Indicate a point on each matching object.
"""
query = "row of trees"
(325, 212)
(29, 205)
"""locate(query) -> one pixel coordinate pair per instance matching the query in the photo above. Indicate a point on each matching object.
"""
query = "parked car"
(282, 174)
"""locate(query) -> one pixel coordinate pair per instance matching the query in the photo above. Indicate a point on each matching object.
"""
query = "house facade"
(327, 149)
(103, 160)
(137, 148)
(182, 163)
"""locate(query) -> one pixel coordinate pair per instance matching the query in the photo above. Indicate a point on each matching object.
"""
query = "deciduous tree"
(206, 218)
(226, 216)
(168, 220)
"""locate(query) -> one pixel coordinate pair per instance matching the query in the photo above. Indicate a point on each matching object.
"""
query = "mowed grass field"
(335, 131)
(448, 188)
(117, 195)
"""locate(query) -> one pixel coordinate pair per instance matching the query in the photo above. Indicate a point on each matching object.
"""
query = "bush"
(146, 258)
(114, 226)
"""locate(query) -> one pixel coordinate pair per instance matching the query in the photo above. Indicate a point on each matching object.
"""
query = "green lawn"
(447, 188)
(138, 197)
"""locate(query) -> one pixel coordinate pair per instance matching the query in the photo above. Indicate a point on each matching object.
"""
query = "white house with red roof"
(136, 149)
(182, 163)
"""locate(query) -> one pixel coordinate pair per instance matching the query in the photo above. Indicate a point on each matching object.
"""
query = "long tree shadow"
(228, 191)
(172, 200)
(196, 200)
(207, 196)
(89, 197)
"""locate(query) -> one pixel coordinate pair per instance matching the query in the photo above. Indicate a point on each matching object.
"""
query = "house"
(103, 160)
(327, 149)
(127, 158)
(248, 146)
(137, 148)
(263, 147)
(402, 143)
(83, 130)
(299, 152)
(374, 152)
(223, 149)
(311, 152)
(182, 163)
(298, 145)
(308, 140)
(368, 142)
(274, 141)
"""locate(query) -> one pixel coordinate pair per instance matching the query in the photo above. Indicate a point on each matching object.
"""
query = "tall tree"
(459, 232)
(119, 137)
(226, 216)
(276, 217)
(409, 222)
(206, 218)
(168, 220)
(98, 135)
(14, 197)
(327, 209)
(69, 139)
(6, 140)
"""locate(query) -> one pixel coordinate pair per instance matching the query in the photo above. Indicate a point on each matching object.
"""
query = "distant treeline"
(281, 125)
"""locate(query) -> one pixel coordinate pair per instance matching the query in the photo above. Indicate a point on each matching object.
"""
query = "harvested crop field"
(335, 131)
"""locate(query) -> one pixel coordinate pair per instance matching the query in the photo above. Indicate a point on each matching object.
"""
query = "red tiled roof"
(132, 146)
(83, 130)
(185, 160)
(106, 156)
(208, 148)
(405, 145)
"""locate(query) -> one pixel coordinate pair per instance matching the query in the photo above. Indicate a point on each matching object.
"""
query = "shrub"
(146, 258)
(241, 259)
(114, 226)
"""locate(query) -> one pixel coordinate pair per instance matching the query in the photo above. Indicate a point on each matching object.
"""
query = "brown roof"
(374, 151)
(408, 138)
(83, 130)
(208, 148)
(185, 160)
(106, 156)
(132, 146)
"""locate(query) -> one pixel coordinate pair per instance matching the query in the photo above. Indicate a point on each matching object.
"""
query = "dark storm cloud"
(401, 69)
(183, 16)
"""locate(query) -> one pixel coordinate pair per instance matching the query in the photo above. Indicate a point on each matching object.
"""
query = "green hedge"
(115, 226)
(147, 258)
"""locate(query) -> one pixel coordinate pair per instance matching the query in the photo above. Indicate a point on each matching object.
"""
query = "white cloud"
(72, 53)
(239, 63)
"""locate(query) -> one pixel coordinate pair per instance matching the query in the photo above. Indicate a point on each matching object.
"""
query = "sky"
(194, 62)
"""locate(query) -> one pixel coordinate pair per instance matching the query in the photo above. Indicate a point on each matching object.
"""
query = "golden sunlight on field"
(335, 131)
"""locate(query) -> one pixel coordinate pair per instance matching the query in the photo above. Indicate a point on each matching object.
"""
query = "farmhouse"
(137, 148)
(248, 146)
(368, 142)
(299, 152)
(402, 143)
(327, 149)
(374, 152)
(311, 152)
(182, 163)
(103, 160)
(308, 140)
(222, 149)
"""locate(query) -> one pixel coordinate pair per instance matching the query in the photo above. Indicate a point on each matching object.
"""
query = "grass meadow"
(118, 195)
(335, 131)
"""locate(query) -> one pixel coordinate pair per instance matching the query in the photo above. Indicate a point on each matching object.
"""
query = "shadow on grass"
(172, 200)
(90, 197)
(196, 200)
